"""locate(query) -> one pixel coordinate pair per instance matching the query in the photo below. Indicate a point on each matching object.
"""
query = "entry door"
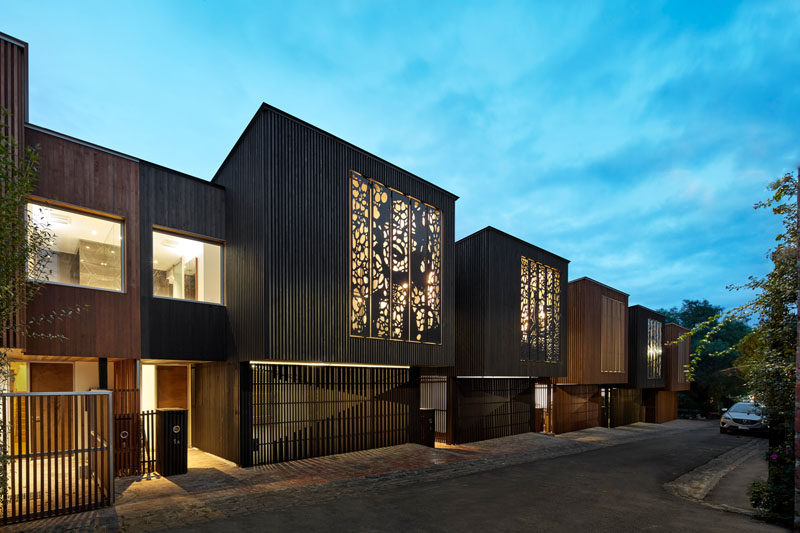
(48, 414)
(171, 387)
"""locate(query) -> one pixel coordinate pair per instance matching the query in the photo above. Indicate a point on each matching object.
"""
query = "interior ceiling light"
(169, 244)
(60, 219)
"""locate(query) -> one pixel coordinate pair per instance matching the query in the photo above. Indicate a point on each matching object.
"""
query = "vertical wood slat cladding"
(300, 411)
(677, 358)
(576, 407)
(215, 409)
(488, 319)
(176, 329)
(13, 97)
(659, 406)
(626, 406)
(589, 331)
(14, 87)
(92, 179)
(288, 278)
(637, 348)
(492, 408)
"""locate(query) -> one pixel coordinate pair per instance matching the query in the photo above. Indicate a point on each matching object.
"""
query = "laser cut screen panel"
(654, 349)
(395, 264)
(540, 297)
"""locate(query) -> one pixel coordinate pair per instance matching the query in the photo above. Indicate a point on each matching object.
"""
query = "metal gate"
(298, 411)
(433, 395)
(61, 457)
(135, 444)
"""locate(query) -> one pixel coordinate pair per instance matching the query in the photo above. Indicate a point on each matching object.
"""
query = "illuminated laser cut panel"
(540, 312)
(395, 265)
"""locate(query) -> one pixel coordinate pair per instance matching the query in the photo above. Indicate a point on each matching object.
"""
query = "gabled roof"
(264, 107)
(492, 229)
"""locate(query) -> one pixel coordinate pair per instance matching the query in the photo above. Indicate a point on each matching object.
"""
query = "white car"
(743, 416)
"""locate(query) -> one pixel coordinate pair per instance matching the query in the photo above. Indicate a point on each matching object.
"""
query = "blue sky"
(630, 137)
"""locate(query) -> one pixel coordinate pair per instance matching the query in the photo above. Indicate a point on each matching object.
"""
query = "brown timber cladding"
(13, 97)
(677, 358)
(598, 315)
(300, 411)
(576, 407)
(660, 406)
(215, 409)
(92, 179)
(626, 406)
(288, 256)
(59, 454)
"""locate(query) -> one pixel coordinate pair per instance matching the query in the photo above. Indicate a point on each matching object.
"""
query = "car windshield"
(745, 407)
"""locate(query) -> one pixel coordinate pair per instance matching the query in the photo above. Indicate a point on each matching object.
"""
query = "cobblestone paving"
(215, 488)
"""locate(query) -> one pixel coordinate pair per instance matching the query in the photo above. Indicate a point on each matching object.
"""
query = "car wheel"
(722, 430)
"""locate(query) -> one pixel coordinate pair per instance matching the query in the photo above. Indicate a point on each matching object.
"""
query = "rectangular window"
(540, 310)
(654, 349)
(612, 335)
(84, 250)
(186, 269)
(395, 266)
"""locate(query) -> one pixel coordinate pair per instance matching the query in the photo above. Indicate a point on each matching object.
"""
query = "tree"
(715, 382)
(769, 352)
(24, 254)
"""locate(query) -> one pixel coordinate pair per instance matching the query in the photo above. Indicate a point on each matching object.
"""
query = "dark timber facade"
(311, 299)
(334, 257)
(511, 336)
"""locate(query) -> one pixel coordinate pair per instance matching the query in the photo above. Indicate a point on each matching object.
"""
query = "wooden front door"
(49, 421)
(171, 387)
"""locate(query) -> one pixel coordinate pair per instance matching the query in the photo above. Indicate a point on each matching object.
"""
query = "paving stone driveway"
(215, 489)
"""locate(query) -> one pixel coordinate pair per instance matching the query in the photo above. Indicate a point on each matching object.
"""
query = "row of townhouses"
(311, 299)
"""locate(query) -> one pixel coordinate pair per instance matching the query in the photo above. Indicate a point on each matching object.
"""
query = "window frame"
(93, 213)
(196, 237)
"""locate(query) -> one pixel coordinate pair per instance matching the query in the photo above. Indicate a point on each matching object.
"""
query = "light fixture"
(59, 219)
(94, 232)
(169, 244)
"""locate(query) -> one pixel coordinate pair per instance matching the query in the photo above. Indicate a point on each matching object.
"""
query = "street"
(615, 488)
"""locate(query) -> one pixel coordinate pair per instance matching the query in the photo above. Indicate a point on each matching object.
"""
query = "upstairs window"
(83, 249)
(540, 291)
(612, 335)
(395, 264)
(654, 349)
(186, 268)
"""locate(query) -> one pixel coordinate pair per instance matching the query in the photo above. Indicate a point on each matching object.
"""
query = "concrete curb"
(698, 483)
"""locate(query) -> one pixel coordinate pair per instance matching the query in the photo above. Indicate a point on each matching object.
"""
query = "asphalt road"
(619, 488)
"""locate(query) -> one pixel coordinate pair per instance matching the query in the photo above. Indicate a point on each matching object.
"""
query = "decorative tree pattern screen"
(540, 308)
(395, 267)
(654, 349)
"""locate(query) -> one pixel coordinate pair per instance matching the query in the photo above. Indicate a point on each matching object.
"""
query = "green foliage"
(716, 383)
(768, 353)
(775, 497)
(24, 248)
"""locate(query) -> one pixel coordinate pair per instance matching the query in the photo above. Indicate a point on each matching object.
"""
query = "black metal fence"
(135, 443)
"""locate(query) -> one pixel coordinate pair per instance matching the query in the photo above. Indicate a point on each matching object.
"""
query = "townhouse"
(311, 299)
